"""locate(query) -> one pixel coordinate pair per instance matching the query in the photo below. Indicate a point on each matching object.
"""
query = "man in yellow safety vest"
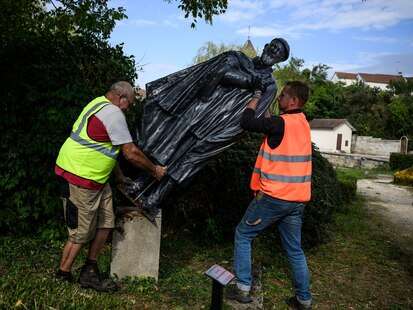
(84, 164)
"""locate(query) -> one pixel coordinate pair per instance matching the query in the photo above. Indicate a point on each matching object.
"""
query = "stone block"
(135, 250)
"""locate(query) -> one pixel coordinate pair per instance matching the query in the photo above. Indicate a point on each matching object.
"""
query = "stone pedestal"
(135, 251)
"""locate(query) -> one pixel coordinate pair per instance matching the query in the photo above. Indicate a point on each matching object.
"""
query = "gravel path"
(393, 202)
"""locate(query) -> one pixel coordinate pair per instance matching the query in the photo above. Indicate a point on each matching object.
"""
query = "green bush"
(404, 177)
(53, 63)
(400, 161)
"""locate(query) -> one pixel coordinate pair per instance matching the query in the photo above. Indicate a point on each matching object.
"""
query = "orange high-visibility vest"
(285, 171)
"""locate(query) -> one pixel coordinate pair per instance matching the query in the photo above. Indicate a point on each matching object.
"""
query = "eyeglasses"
(126, 97)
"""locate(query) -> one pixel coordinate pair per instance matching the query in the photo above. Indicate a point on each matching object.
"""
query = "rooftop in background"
(368, 77)
(329, 123)
(380, 78)
(346, 75)
(249, 49)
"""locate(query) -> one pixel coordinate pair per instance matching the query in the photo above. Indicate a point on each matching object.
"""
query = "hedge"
(400, 161)
(404, 177)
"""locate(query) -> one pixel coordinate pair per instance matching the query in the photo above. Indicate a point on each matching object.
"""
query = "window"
(346, 143)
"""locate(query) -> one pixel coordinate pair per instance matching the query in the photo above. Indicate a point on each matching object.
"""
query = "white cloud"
(388, 63)
(385, 63)
(137, 22)
(377, 39)
(306, 15)
(141, 23)
(245, 4)
(240, 10)
(330, 14)
(271, 31)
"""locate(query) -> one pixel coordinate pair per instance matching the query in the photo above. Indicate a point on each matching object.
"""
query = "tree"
(210, 50)
(202, 9)
(57, 57)
(402, 86)
(291, 71)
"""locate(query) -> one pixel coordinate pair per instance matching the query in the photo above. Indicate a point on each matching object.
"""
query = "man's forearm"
(140, 160)
(137, 158)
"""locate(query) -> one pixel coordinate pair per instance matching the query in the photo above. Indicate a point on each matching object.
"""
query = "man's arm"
(135, 156)
(272, 126)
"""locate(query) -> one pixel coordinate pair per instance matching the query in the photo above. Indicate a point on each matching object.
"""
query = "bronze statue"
(194, 114)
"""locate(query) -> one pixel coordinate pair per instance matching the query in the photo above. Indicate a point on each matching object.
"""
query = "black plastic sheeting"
(194, 114)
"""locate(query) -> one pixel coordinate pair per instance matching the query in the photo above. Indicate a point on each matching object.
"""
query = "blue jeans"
(262, 212)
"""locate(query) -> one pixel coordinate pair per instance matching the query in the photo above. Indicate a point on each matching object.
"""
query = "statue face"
(274, 52)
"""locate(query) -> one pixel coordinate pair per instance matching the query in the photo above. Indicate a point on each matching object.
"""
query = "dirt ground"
(394, 206)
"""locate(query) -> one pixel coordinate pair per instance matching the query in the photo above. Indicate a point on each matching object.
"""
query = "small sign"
(220, 274)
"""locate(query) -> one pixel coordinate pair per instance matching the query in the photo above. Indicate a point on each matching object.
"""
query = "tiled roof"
(328, 123)
(379, 78)
(346, 75)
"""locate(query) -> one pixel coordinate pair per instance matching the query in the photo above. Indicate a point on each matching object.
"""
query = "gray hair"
(122, 88)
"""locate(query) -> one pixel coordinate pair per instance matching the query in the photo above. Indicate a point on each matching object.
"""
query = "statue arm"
(238, 79)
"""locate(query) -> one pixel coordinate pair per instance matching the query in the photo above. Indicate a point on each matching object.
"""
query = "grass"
(344, 173)
(360, 268)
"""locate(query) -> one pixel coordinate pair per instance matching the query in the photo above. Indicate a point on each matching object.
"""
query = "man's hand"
(159, 172)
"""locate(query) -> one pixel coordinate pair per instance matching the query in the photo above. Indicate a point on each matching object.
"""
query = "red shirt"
(96, 131)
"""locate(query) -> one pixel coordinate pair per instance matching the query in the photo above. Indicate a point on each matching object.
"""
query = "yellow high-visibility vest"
(83, 156)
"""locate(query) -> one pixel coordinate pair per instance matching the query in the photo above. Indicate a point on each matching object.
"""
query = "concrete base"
(135, 251)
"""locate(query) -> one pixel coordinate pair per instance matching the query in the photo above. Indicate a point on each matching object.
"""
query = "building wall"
(346, 82)
(326, 140)
(374, 146)
(354, 161)
(379, 85)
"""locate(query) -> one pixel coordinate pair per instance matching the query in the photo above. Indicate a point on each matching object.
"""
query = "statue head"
(274, 52)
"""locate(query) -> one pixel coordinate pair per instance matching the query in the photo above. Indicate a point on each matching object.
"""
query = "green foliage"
(402, 86)
(202, 9)
(210, 50)
(347, 272)
(400, 161)
(57, 60)
(292, 71)
(372, 112)
(400, 121)
(328, 196)
(404, 177)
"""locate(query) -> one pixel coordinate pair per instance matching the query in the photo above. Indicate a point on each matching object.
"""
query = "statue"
(194, 114)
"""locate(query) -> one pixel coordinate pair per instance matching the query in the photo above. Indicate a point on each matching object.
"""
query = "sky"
(373, 36)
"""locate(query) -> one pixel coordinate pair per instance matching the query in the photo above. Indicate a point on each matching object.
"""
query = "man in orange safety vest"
(282, 182)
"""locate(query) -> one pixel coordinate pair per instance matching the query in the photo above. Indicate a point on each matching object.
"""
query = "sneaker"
(295, 304)
(90, 278)
(65, 276)
(234, 293)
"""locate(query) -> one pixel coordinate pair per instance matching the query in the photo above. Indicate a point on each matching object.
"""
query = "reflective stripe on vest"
(83, 156)
(112, 153)
(291, 159)
(283, 178)
(285, 171)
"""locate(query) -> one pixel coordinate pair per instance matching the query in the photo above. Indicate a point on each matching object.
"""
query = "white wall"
(379, 85)
(346, 82)
(375, 146)
(326, 140)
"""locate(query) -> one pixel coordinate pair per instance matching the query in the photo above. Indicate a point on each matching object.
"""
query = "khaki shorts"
(86, 210)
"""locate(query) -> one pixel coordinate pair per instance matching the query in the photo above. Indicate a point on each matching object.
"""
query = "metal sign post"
(220, 278)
